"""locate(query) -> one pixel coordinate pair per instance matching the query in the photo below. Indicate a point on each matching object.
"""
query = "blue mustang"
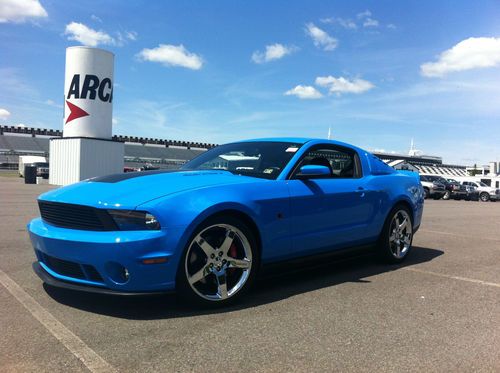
(205, 230)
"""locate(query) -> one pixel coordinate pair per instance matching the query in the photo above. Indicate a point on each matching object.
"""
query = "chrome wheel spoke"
(228, 241)
(205, 246)
(239, 263)
(221, 286)
(200, 275)
(403, 224)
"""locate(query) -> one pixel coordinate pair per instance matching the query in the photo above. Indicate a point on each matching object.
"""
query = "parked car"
(467, 192)
(42, 169)
(486, 193)
(432, 189)
(205, 231)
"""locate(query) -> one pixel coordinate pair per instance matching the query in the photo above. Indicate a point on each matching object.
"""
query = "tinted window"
(263, 159)
(342, 162)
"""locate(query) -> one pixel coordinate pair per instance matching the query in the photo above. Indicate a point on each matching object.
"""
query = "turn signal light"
(154, 260)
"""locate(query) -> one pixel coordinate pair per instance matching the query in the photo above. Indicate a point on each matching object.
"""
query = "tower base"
(73, 159)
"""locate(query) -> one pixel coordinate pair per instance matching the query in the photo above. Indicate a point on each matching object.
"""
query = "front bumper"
(97, 260)
(53, 281)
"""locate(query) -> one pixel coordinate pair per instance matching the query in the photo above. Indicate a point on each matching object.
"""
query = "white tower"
(413, 152)
(86, 149)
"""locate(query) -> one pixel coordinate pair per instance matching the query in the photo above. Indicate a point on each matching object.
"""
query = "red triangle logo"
(75, 112)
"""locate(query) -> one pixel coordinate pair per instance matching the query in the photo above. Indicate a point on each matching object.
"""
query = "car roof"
(301, 140)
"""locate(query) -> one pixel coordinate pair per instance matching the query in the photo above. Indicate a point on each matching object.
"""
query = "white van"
(29, 159)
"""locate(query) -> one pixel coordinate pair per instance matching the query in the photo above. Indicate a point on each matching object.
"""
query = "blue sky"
(378, 72)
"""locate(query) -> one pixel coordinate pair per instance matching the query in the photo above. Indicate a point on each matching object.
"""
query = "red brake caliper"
(233, 251)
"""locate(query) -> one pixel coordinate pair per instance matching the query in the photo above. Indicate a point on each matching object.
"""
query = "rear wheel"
(397, 235)
(219, 263)
(484, 197)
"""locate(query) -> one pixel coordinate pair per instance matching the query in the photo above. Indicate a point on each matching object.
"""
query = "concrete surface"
(440, 311)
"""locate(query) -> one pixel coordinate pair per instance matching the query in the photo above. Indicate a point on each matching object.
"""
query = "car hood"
(129, 190)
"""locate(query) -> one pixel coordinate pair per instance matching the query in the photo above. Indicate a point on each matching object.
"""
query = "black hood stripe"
(116, 178)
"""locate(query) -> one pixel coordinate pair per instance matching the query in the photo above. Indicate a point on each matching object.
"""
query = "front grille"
(80, 217)
(64, 267)
(70, 269)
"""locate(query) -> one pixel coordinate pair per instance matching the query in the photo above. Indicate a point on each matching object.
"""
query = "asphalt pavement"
(439, 311)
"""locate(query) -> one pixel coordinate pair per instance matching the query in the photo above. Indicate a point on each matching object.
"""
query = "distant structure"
(414, 152)
(329, 133)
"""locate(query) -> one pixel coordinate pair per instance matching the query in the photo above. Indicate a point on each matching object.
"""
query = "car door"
(334, 211)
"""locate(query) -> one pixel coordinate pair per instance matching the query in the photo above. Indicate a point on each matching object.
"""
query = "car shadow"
(273, 285)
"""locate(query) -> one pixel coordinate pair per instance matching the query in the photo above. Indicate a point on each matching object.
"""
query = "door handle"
(361, 191)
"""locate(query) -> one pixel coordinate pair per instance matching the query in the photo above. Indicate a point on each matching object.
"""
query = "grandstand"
(16, 141)
(423, 164)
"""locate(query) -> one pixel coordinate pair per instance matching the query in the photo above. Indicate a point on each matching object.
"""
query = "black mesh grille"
(92, 273)
(70, 269)
(64, 267)
(76, 216)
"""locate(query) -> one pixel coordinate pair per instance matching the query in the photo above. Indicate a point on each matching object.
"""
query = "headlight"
(131, 220)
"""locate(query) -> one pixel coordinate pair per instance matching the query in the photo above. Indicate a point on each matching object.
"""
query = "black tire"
(193, 293)
(385, 246)
(447, 195)
(436, 198)
(427, 193)
(484, 197)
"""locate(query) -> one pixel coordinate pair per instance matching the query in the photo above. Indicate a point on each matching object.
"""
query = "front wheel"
(397, 235)
(447, 195)
(219, 262)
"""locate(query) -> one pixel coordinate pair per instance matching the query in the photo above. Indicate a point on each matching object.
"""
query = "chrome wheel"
(400, 234)
(218, 262)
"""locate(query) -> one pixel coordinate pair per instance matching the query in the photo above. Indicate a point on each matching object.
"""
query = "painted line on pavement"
(75, 345)
(480, 282)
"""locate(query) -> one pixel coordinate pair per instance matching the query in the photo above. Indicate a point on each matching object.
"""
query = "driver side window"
(342, 162)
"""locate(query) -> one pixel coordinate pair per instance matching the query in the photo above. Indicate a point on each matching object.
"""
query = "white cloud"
(345, 23)
(471, 53)
(21, 10)
(87, 36)
(370, 22)
(93, 17)
(4, 114)
(52, 103)
(364, 14)
(115, 121)
(342, 85)
(131, 35)
(304, 92)
(172, 55)
(320, 38)
(273, 52)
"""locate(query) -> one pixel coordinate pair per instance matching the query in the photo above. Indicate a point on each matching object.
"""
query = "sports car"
(206, 229)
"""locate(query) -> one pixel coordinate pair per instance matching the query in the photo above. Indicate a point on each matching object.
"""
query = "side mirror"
(312, 171)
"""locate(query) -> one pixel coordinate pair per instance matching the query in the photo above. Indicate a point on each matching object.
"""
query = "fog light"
(117, 273)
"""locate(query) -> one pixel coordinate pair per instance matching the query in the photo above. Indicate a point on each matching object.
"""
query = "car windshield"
(263, 159)
(483, 184)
